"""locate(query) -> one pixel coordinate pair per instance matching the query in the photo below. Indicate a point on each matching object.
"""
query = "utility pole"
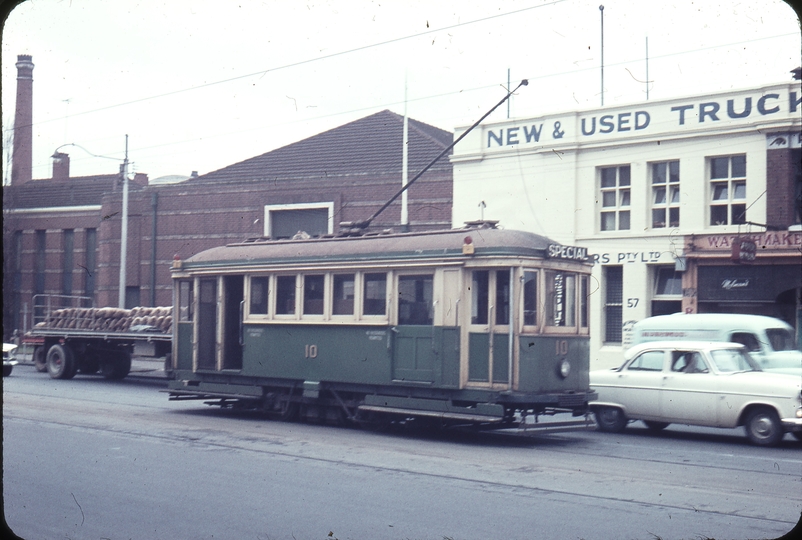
(124, 233)
(601, 11)
(405, 165)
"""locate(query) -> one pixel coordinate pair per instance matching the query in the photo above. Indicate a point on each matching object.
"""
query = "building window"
(614, 196)
(91, 262)
(613, 303)
(665, 194)
(287, 220)
(728, 190)
(68, 258)
(41, 247)
(667, 293)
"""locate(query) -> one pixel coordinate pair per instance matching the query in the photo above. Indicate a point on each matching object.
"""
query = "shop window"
(614, 195)
(259, 295)
(665, 194)
(343, 292)
(415, 300)
(613, 303)
(313, 294)
(375, 294)
(530, 298)
(728, 190)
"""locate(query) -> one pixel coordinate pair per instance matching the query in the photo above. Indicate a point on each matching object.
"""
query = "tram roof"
(382, 247)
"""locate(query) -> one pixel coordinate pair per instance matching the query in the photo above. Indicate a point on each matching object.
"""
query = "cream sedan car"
(701, 384)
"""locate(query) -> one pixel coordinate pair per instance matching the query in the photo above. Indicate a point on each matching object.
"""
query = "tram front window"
(530, 298)
(560, 299)
(479, 296)
(415, 295)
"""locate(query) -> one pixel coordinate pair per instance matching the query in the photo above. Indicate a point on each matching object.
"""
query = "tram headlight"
(565, 368)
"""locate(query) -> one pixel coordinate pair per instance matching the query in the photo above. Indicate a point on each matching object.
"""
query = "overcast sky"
(201, 84)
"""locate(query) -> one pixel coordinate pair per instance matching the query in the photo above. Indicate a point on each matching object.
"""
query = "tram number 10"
(310, 351)
(562, 347)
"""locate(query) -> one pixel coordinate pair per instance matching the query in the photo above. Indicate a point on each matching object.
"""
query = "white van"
(770, 341)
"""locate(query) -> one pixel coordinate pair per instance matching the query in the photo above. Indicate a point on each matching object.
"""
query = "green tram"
(478, 326)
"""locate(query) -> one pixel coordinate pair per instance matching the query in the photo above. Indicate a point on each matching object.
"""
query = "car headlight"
(565, 368)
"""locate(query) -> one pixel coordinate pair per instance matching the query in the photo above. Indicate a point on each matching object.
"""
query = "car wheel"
(39, 359)
(610, 419)
(60, 363)
(763, 427)
(797, 435)
(7, 369)
(655, 426)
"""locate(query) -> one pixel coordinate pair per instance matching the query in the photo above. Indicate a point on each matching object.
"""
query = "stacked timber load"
(109, 319)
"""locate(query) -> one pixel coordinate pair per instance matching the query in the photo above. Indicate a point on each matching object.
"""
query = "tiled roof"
(369, 145)
(77, 191)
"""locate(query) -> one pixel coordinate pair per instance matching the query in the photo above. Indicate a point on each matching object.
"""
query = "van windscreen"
(781, 339)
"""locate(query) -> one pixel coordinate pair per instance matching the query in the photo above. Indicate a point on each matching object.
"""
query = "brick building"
(62, 234)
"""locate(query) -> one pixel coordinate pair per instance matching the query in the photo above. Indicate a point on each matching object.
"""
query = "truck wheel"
(116, 365)
(763, 427)
(610, 419)
(39, 359)
(60, 362)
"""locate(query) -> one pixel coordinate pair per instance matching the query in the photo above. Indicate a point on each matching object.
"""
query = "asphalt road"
(95, 459)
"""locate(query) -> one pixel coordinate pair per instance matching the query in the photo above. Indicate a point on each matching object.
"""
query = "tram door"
(211, 328)
(488, 337)
(414, 354)
(206, 337)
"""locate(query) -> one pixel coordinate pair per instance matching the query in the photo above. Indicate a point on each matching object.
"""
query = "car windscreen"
(729, 360)
(781, 339)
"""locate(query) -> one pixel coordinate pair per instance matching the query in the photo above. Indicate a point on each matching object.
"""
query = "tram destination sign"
(574, 253)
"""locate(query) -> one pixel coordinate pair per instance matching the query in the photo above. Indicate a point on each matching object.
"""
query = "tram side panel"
(543, 363)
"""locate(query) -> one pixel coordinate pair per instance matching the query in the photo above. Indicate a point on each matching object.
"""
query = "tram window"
(185, 301)
(259, 288)
(479, 296)
(415, 296)
(530, 298)
(583, 301)
(285, 295)
(343, 294)
(313, 295)
(560, 299)
(375, 301)
(502, 297)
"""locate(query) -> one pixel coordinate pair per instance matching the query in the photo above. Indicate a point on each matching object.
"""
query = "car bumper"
(792, 424)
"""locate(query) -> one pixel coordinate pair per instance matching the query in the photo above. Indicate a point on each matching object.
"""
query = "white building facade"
(638, 185)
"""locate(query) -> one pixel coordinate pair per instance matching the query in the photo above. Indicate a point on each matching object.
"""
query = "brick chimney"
(22, 157)
(61, 166)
